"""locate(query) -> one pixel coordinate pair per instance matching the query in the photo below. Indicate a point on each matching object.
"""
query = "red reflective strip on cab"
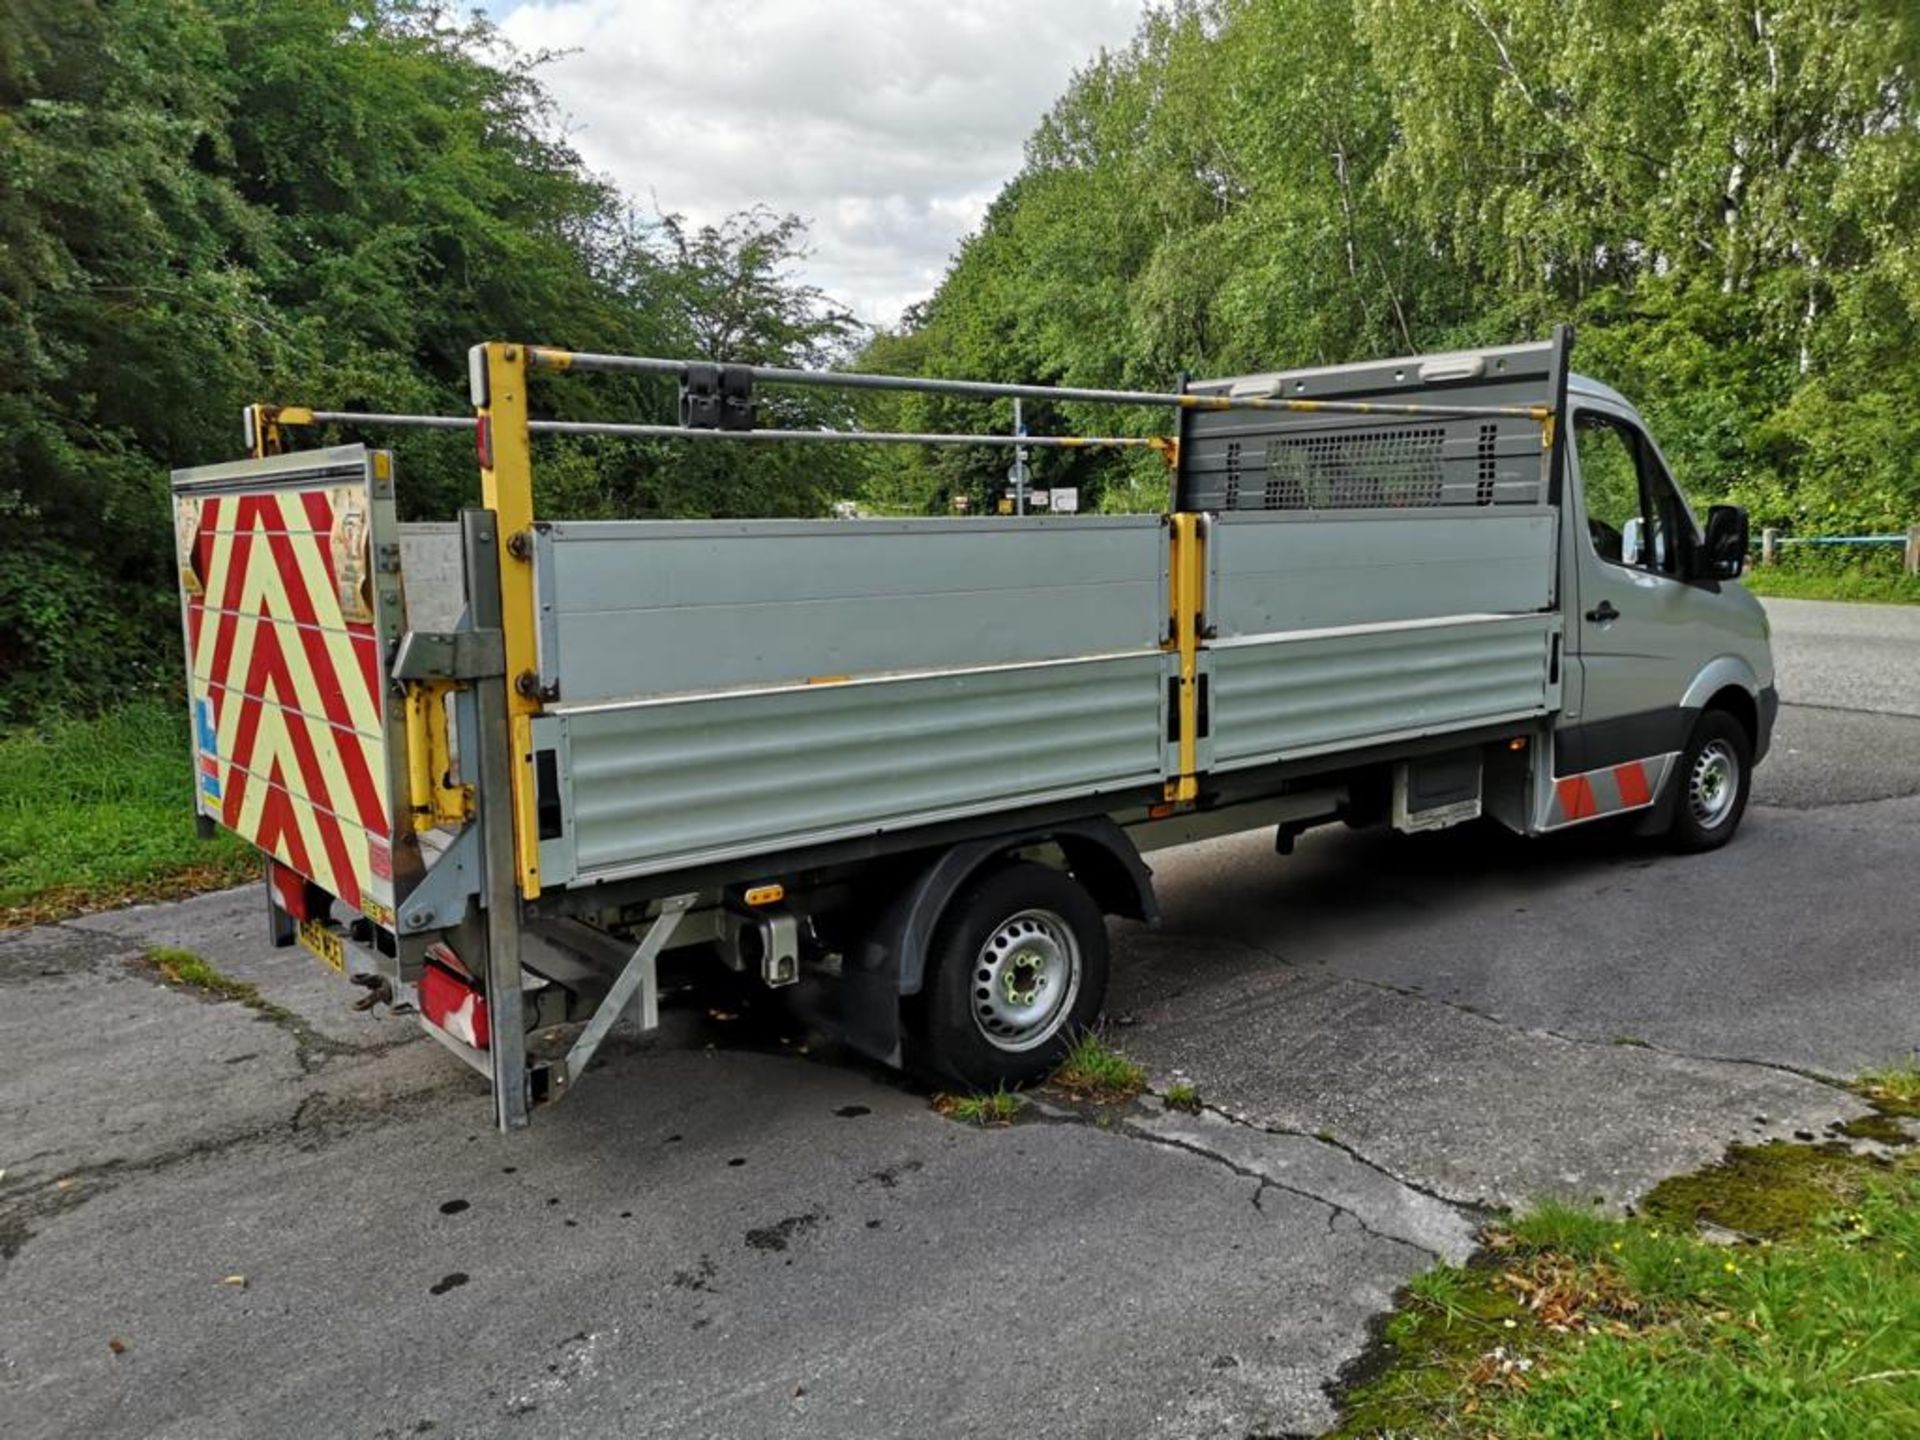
(1575, 794)
(1632, 780)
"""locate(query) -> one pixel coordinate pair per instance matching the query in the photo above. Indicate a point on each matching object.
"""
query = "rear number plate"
(324, 943)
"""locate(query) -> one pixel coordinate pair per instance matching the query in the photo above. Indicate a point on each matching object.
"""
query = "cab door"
(1636, 630)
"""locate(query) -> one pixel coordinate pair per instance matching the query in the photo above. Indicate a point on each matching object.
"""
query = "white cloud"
(889, 125)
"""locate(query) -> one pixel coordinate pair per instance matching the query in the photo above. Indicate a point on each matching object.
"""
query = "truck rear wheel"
(1017, 970)
(1716, 770)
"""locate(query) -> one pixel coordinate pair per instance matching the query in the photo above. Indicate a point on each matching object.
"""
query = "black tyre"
(1017, 971)
(1716, 771)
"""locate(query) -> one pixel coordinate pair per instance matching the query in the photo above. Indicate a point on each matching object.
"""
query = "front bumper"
(1769, 711)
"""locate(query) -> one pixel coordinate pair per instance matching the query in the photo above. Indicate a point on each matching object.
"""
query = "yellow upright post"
(263, 431)
(506, 483)
(1187, 584)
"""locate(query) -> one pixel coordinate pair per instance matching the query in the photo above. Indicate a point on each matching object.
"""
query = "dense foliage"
(1724, 198)
(206, 202)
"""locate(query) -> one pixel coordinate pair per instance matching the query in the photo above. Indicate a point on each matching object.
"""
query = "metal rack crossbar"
(300, 415)
(551, 359)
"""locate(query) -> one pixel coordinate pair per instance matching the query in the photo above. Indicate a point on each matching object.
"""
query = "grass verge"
(1775, 1294)
(993, 1107)
(1094, 1070)
(1874, 586)
(99, 812)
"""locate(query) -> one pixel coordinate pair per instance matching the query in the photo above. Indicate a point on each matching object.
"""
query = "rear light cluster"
(297, 895)
(450, 999)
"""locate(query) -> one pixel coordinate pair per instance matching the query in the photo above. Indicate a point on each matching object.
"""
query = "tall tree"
(207, 202)
(1723, 197)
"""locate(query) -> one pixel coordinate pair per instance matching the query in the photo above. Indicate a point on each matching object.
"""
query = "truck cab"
(1658, 633)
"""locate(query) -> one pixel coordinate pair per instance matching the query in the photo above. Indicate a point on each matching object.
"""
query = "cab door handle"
(1603, 612)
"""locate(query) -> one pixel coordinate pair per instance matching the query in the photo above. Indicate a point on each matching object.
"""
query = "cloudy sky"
(887, 124)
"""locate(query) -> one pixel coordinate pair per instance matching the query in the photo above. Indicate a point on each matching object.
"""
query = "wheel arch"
(1718, 676)
(1743, 706)
(1098, 854)
(889, 961)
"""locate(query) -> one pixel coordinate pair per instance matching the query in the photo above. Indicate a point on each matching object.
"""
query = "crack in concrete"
(1480, 1207)
(1264, 1182)
(86, 932)
(311, 1046)
(1389, 987)
(26, 1197)
(1779, 1067)
(1474, 1208)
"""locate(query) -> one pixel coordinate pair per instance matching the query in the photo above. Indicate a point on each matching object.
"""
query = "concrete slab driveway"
(218, 1222)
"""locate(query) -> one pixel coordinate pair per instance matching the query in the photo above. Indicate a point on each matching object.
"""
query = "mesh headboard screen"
(1313, 461)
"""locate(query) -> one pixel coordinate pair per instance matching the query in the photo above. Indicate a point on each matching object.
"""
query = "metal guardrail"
(1770, 541)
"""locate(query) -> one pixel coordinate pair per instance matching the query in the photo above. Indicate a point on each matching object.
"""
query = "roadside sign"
(1064, 502)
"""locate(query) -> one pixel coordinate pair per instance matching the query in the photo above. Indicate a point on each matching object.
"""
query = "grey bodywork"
(724, 689)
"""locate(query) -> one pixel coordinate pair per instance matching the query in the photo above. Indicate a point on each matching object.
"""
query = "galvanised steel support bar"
(639, 975)
(543, 357)
(493, 762)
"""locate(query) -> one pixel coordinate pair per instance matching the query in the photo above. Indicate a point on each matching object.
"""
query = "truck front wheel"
(1716, 770)
(1017, 970)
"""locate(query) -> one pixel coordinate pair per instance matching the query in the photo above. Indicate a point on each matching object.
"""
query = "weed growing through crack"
(183, 967)
(1181, 1096)
(192, 972)
(1093, 1070)
(992, 1107)
(1892, 1092)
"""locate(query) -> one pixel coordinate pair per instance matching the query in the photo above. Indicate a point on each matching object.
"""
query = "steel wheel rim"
(1713, 784)
(1025, 980)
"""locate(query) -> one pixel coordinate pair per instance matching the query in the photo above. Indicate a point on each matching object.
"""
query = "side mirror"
(1723, 552)
(1632, 540)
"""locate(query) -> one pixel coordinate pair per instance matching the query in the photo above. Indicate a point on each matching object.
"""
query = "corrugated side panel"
(1285, 698)
(654, 787)
(1279, 574)
(642, 608)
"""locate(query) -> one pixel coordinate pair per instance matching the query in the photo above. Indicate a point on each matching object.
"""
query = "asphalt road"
(216, 1223)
